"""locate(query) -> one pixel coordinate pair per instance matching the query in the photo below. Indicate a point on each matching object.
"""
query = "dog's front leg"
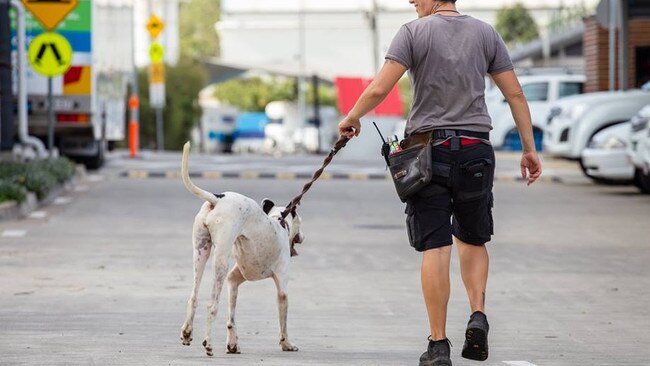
(280, 280)
(202, 245)
(235, 278)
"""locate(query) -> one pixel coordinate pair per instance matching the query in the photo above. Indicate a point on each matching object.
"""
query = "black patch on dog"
(293, 213)
(219, 195)
(267, 205)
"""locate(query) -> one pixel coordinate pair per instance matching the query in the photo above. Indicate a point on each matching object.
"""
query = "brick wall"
(596, 52)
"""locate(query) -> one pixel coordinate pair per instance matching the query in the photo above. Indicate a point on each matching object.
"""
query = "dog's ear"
(267, 205)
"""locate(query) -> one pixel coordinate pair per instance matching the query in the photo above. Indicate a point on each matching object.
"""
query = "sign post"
(50, 55)
(157, 77)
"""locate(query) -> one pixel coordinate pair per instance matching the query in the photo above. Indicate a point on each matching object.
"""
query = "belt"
(424, 137)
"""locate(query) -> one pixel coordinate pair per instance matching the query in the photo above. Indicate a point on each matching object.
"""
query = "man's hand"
(349, 127)
(531, 167)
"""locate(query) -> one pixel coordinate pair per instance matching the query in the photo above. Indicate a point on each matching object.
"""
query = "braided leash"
(296, 200)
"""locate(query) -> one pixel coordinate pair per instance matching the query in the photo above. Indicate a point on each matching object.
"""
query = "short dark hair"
(449, 1)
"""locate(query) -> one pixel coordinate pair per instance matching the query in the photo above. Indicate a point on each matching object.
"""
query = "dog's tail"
(188, 183)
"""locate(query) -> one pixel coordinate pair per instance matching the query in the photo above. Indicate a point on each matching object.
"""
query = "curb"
(252, 175)
(13, 210)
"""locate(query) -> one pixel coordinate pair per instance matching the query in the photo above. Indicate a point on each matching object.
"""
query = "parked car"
(606, 158)
(639, 149)
(541, 92)
(573, 121)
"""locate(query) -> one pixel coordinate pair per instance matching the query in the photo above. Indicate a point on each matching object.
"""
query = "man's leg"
(474, 264)
(435, 288)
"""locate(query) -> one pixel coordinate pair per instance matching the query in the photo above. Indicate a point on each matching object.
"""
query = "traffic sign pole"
(50, 118)
(160, 135)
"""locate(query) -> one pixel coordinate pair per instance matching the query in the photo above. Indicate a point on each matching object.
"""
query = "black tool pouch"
(410, 169)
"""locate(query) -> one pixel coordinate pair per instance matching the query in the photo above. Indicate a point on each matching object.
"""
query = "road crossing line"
(254, 175)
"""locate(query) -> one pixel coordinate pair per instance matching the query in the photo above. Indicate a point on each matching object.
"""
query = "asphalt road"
(103, 278)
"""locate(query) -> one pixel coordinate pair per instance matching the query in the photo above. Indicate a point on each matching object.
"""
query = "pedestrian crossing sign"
(50, 54)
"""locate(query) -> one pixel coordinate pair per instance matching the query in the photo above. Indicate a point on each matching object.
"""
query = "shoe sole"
(475, 345)
(436, 362)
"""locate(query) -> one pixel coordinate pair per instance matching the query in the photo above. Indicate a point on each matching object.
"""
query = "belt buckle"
(449, 133)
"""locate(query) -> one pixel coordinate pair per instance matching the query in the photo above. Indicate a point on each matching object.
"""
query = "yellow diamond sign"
(50, 54)
(50, 12)
(155, 25)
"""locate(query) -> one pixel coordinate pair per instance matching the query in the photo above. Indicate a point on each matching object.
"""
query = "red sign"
(349, 90)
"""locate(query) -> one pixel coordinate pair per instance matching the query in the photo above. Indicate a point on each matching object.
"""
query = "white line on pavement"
(38, 215)
(519, 363)
(95, 178)
(62, 200)
(80, 188)
(13, 233)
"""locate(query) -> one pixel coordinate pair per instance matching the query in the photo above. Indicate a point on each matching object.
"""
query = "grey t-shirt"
(448, 58)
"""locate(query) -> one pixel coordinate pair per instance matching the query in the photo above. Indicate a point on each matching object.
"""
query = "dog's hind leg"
(202, 244)
(280, 279)
(223, 239)
(235, 278)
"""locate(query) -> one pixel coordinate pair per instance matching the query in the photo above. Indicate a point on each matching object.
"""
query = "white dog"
(262, 245)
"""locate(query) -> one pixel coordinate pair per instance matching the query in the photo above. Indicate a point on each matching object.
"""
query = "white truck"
(541, 92)
(90, 99)
(639, 149)
(573, 121)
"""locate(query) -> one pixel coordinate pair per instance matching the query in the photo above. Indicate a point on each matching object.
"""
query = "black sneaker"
(476, 338)
(437, 354)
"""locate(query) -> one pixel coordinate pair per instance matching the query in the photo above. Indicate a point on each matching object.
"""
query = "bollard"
(134, 127)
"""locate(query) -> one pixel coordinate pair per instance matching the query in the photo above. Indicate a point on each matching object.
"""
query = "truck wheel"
(95, 162)
(642, 181)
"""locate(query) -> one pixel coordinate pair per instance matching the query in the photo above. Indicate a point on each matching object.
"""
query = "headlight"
(639, 123)
(555, 111)
(612, 142)
(576, 112)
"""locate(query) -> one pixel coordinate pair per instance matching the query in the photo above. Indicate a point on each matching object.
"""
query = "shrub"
(62, 169)
(10, 191)
(38, 176)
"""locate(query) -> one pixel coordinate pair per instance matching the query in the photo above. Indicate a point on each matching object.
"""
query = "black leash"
(296, 200)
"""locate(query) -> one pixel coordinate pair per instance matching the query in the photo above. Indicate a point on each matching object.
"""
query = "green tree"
(198, 37)
(516, 25)
(253, 94)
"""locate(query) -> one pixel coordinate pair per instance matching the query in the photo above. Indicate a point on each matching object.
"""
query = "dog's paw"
(208, 348)
(186, 337)
(288, 346)
(233, 349)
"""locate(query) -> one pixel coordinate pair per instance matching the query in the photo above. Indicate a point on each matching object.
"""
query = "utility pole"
(372, 17)
(7, 131)
(613, 6)
(302, 100)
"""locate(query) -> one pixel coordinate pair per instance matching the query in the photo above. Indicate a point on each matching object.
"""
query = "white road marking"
(80, 188)
(519, 363)
(95, 178)
(13, 233)
(62, 200)
(38, 215)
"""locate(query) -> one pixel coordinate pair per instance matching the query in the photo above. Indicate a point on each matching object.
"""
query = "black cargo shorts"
(458, 201)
